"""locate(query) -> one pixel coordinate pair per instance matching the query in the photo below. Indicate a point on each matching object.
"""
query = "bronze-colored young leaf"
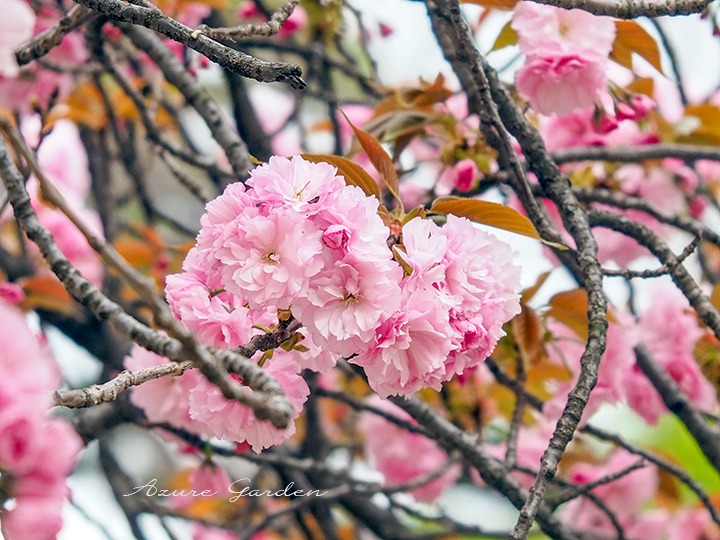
(507, 37)
(353, 173)
(715, 296)
(379, 158)
(531, 291)
(489, 213)
(46, 292)
(528, 333)
(570, 308)
(708, 130)
(633, 38)
(642, 85)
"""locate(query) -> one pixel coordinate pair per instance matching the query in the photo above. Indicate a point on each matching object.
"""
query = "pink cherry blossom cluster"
(21, 85)
(670, 332)
(566, 57)
(402, 456)
(17, 27)
(37, 452)
(301, 239)
(62, 157)
(190, 402)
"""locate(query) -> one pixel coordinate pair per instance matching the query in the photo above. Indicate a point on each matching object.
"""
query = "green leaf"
(489, 213)
(379, 158)
(632, 38)
(353, 173)
(507, 37)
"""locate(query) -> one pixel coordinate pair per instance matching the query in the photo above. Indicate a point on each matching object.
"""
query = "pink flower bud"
(336, 237)
(606, 124)
(11, 293)
(297, 21)
(642, 105)
(464, 174)
(698, 206)
(386, 30)
(111, 33)
(625, 112)
(248, 10)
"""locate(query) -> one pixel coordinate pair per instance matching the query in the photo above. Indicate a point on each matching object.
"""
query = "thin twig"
(268, 401)
(665, 269)
(47, 40)
(266, 29)
(632, 9)
(152, 18)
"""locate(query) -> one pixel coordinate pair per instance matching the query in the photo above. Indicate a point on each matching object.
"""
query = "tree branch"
(707, 436)
(631, 9)
(629, 154)
(195, 94)
(680, 275)
(268, 402)
(46, 41)
(236, 61)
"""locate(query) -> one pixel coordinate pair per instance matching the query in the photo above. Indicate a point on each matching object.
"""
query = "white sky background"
(410, 52)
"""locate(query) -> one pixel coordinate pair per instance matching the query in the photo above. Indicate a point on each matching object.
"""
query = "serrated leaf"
(492, 4)
(379, 158)
(353, 173)
(489, 213)
(507, 37)
(632, 38)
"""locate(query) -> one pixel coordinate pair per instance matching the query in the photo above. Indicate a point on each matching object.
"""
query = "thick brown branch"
(629, 154)
(195, 94)
(707, 436)
(268, 402)
(486, 92)
(238, 62)
(46, 41)
(632, 9)
(267, 29)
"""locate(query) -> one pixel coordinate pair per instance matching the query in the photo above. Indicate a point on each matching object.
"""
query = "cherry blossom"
(345, 302)
(16, 27)
(298, 184)
(670, 331)
(37, 451)
(561, 84)
(411, 347)
(165, 399)
(270, 258)
(236, 422)
(550, 30)
(466, 173)
(403, 456)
